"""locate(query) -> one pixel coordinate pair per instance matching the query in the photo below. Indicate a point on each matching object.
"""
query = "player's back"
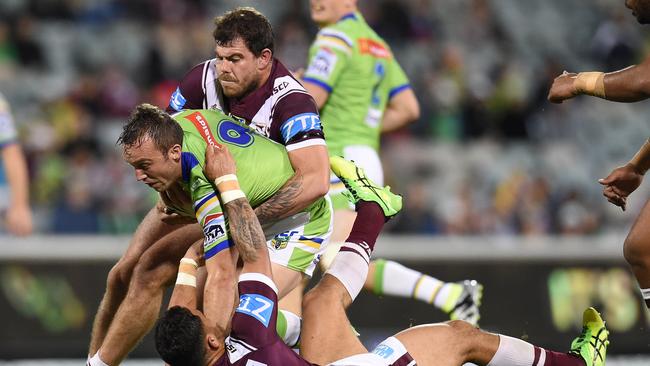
(358, 69)
(263, 166)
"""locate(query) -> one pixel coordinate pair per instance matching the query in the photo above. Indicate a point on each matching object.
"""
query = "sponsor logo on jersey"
(323, 64)
(280, 87)
(198, 120)
(374, 48)
(383, 351)
(300, 123)
(214, 230)
(177, 101)
(237, 349)
(280, 241)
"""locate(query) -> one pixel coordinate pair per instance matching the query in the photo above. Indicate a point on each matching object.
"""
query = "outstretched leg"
(636, 250)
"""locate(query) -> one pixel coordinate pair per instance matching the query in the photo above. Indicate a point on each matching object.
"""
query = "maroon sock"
(367, 226)
(557, 358)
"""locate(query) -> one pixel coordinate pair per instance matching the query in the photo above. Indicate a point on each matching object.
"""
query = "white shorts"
(301, 248)
(365, 157)
(390, 352)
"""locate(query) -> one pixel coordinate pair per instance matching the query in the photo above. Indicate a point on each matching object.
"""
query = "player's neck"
(214, 355)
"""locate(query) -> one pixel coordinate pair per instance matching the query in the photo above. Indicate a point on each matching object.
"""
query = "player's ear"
(175, 151)
(265, 59)
(212, 342)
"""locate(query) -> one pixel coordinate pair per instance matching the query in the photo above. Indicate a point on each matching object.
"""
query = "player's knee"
(636, 249)
(462, 328)
(147, 277)
(119, 276)
(317, 299)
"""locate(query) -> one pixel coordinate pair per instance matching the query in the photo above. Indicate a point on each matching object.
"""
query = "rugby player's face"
(237, 69)
(640, 9)
(324, 12)
(152, 167)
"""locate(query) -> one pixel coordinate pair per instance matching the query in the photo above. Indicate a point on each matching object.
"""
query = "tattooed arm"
(248, 236)
(309, 183)
(244, 228)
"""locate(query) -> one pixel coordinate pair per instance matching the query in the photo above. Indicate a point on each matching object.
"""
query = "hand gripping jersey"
(280, 109)
(262, 168)
(253, 340)
(357, 68)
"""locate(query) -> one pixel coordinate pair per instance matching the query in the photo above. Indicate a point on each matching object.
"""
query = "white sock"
(96, 361)
(514, 352)
(350, 266)
(645, 292)
(291, 332)
(397, 280)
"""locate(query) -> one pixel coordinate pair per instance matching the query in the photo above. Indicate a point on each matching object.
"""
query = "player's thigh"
(637, 243)
(150, 230)
(434, 344)
(327, 334)
(159, 263)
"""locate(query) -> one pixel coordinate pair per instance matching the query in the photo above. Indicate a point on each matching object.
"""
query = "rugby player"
(252, 87)
(630, 84)
(167, 154)
(185, 337)
(361, 92)
(14, 206)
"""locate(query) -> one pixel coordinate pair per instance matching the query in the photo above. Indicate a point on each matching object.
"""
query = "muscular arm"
(631, 84)
(402, 109)
(310, 182)
(219, 295)
(19, 216)
(248, 236)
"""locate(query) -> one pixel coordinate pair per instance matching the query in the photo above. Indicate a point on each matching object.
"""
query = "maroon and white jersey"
(253, 340)
(280, 109)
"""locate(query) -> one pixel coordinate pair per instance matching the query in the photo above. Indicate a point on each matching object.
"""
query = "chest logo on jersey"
(237, 349)
(198, 120)
(374, 48)
(383, 351)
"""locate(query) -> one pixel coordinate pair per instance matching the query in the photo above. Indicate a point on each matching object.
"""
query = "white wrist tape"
(190, 261)
(224, 178)
(231, 195)
(186, 279)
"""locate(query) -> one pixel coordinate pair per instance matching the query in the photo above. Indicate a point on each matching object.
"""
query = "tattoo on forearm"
(245, 230)
(278, 206)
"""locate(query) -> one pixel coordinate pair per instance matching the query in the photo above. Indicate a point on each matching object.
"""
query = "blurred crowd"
(488, 156)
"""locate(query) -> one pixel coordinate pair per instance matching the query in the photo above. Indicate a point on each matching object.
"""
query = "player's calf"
(636, 250)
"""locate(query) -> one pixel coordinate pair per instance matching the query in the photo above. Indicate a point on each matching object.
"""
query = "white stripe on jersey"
(209, 84)
(306, 143)
(259, 277)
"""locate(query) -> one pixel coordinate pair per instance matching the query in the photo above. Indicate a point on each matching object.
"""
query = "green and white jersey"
(263, 166)
(357, 68)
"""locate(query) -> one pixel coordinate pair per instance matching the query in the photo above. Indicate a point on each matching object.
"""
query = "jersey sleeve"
(7, 129)
(296, 115)
(328, 56)
(255, 318)
(207, 207)
(396, 78)
(189, 94)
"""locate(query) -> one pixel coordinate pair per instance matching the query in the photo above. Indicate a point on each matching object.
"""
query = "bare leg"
(139, 310)
(637, 250)
(451, 343)
(326, 331)
(293, 300)
(148, 232)
(343, 220)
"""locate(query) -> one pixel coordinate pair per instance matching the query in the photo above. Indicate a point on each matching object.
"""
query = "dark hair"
(179, 338)
(148, 120)
(246, 23)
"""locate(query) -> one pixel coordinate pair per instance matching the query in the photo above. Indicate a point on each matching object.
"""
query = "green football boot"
(361, 188)
(592, 344)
